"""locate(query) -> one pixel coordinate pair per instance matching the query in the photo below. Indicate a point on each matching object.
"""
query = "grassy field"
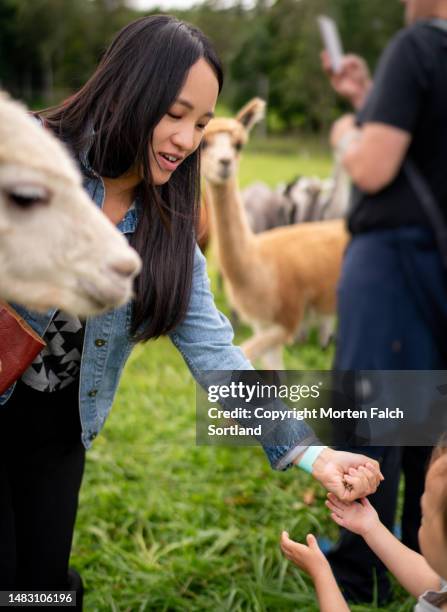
(167, 525)
(279, 160)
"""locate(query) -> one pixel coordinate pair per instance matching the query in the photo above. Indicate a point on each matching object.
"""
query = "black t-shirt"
(410, 93)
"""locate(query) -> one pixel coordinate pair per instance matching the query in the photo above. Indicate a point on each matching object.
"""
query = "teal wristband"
(307, 460)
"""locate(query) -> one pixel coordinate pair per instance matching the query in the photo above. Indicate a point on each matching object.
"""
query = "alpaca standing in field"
(265, 207)
(56, 248)
(315, 199)
(274, 277)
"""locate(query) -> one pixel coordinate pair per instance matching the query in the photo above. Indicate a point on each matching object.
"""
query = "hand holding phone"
(331, 39)
(348, 74)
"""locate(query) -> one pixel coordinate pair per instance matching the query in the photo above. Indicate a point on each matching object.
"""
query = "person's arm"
(409, 567)
(312, 561)
(205, 340)
(372, 155)
(373, 152)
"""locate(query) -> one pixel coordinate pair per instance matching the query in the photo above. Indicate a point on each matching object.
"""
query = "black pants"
(392, 315)
(357, 569)
(41, 468)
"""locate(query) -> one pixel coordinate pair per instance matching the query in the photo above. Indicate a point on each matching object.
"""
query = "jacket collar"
(94, 185)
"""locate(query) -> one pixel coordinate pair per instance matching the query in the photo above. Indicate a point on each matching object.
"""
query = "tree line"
(48, 48)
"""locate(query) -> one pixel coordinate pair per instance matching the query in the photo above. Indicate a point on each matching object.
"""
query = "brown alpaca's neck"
(234, 238)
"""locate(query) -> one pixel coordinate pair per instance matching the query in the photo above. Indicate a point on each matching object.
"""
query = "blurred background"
(165, 524)
(48, 48)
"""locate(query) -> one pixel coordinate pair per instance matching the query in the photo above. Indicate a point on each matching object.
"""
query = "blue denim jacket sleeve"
(205, 340)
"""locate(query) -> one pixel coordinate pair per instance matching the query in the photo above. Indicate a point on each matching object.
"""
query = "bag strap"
(429, 205)
(422, 188)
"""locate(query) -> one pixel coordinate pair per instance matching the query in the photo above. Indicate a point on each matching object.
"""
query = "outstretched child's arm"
(409, 567)
(311, 560)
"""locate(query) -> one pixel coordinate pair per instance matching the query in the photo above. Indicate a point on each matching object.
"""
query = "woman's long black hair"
(113, 115)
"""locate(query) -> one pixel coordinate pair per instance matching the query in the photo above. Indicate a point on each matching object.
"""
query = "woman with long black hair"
(135, 129)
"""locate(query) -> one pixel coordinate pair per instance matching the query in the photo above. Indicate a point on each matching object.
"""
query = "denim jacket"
(204, 339)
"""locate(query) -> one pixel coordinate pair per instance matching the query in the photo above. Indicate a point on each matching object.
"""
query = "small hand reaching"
(308, 558)
(312, 561)
(358, 516)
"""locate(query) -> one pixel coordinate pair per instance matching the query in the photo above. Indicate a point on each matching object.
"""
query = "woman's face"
(180, 131)
(432, 539)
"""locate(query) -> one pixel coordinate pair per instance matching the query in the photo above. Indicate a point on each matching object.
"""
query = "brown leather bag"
(19, 346)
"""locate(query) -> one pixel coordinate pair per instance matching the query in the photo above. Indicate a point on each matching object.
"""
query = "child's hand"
(359, 516)
(308, 558)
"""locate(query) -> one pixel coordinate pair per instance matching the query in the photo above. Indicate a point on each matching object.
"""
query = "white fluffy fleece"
(56, 248)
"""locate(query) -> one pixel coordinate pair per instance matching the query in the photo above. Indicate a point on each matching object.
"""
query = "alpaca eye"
(26, 196)
(238, 146)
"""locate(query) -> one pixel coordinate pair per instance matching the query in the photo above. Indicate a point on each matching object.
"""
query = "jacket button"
(93, 392)
(99, 342)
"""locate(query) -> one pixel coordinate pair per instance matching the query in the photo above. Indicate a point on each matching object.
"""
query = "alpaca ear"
(251, 113)
(288, 188)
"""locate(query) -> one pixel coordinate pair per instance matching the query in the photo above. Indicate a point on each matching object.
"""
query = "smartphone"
(331, 39)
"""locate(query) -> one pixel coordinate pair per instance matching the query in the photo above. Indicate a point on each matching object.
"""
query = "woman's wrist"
(324, 457)
(307, 459)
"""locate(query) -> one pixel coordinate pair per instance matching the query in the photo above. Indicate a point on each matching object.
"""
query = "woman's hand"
(348, 475)
(359, 516)
(308, 558)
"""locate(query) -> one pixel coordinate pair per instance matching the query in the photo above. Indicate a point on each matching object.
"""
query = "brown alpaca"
(272, 279)
(203, 229)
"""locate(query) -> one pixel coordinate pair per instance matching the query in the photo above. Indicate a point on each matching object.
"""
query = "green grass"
(279, 160)
(166, 525)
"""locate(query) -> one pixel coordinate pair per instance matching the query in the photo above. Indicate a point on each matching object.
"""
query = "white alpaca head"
(56, 248)
(225, 138)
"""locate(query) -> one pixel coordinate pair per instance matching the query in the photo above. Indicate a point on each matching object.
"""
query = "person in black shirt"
(392, 301)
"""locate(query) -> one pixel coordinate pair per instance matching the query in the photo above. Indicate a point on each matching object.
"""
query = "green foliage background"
(164, 524)
(48, 48)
